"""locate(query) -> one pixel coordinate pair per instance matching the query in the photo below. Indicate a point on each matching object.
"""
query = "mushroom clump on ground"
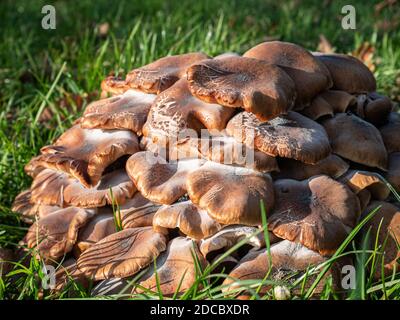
(169, 173)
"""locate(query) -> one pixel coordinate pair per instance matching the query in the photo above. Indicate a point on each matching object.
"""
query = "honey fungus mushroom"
(261, 88)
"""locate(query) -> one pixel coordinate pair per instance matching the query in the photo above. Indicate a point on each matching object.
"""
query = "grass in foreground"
(48, 76)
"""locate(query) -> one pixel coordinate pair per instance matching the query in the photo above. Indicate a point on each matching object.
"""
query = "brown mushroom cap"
(157, 180)
(375, 108)
(367, 147)
(288, 136)
(138, 212)
(54, 235)
(231, 195)
(127, 111)
(318, 212)
(393, 174)
(348, 73)
(176, 110)
(230, 235)
(101, 226)
(263, 89)
(122, 254)
(176, 269)
(309, 75)
(122, 189)
(85, 153)
(391, 133)
(66, 272)
(29, 211)
(359, 180)
(364, 196)
(328, 103)
(189, 218)
(286, 256)
(332, 166)
(385, 225)
(48, 186)
(112, 85)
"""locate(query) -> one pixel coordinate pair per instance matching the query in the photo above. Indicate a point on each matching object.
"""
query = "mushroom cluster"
(168, 171)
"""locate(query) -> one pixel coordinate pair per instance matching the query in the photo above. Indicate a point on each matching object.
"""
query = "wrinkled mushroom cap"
(54, 235)
(318, 212)
(85, 153)
(176, 268)
(348, 73)
(289, 136)
(357, 140)
(308, 74)
(231, 195)
(127, 111)
(157, 180)
(122, 254)
(263, 89)
(189, 218)
(122, 189)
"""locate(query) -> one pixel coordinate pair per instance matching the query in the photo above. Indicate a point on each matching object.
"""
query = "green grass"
(60, 71)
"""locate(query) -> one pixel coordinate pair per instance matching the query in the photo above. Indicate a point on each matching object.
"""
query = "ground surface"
(47, 76)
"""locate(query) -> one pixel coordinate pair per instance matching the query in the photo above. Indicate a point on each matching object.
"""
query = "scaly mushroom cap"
(122, 254)
(122, 189)
(176, 110)
(263, 89)
(138, 212)
(367, 147)
(231, 195)
(332, 166)
(348, 73)
(359, 180)
(385, 226)
(54, 235)
(393, 174)
(309, 75)
(48, 186)
(391, 133)
(228, 236)
(318, 212)
(289, 136)
(375, 108)
(328, 103)
(85, 153)
(285, 256)
(157, 180)
(101, 226)
(189, 218)
(127, 111)
(29, 211)
(176, 269)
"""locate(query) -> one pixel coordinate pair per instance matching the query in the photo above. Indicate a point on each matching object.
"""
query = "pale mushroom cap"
(127, 111)
(157, 180)
(348, 73)
(393, 174)
(357, 140)
(162, 73)
(386, 221)
(359, 180)
(122, 254)
(391, 133)
(231, 195)
(122, 189)
(54, 235)
(318, 212)
(332, 166)
(176, 268)
(290, 136)
(189, 218)
(309, 75)
(258, 87)
(138, 212)
(176, 110)
(85, 153)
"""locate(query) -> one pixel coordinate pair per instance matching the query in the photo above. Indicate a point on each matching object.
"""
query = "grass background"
(48, 76)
